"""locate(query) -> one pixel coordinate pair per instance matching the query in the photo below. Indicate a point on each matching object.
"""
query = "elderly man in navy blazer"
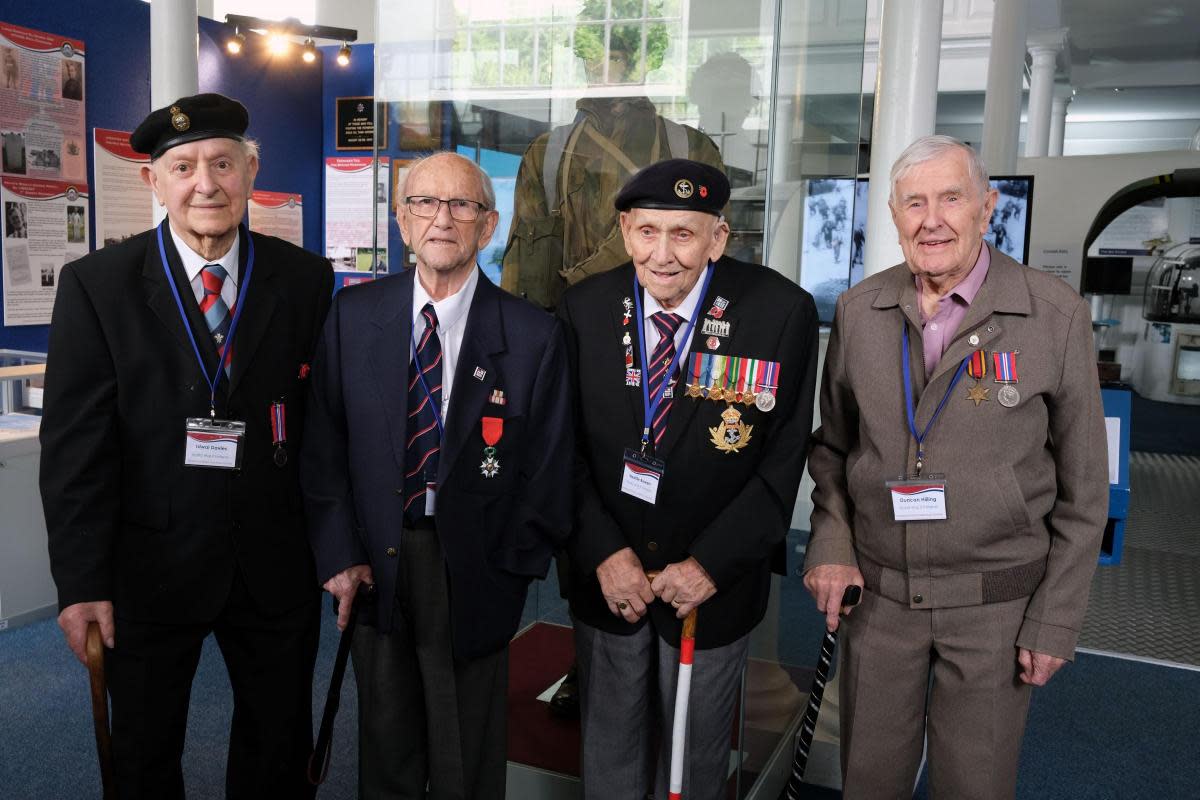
(437, 470)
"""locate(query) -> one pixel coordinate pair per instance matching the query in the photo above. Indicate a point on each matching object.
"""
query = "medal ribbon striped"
(1006, 367)
(977, 366)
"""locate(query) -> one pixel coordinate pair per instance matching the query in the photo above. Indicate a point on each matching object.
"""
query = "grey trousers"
(626, 741)
(956, 668)
(430, 727)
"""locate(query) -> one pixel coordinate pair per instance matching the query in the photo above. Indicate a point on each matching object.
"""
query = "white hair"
(485, 181)
(928, 148)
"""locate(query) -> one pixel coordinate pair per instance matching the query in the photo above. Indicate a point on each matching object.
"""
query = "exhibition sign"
(353, 185)
(45, 226)
(278, 214)
(124, 203)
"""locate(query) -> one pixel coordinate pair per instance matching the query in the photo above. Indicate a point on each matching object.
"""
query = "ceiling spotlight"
(343, 56)
(310, 52)
(235, 44)
(277, 43)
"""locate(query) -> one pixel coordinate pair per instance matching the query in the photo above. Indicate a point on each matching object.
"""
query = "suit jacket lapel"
(635, 329)
(388, 356)
(483, 337)
(261, 298)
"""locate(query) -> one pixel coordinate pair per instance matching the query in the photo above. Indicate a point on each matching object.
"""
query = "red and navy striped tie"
(424, 438)
(217, 315)
(664, 354)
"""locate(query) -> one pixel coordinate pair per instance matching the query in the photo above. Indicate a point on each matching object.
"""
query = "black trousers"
(270, 663)
(430, 726)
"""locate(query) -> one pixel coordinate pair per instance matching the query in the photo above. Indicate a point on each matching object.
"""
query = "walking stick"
(808, 726)
(683, 691)
(94, 649)
(318, 762)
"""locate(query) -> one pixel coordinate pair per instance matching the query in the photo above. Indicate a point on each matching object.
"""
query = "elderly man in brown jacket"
(960, 472)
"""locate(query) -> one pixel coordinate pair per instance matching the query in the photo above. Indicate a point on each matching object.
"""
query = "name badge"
(430, 498)
(918, 499)
(213, 443)
(641, 474)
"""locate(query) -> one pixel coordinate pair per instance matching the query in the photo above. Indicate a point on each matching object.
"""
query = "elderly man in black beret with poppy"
(175, 391)
(693, 380)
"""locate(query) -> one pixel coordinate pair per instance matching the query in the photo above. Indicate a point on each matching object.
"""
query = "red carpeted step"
(537, 658)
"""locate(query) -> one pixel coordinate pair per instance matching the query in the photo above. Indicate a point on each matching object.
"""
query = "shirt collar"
(193, 262)
(449, 310)
(684, 309)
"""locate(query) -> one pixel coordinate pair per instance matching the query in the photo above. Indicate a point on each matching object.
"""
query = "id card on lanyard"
(212, 443)
(919, 498)
(641, 472)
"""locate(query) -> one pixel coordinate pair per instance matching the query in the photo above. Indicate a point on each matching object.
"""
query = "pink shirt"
(938, 331)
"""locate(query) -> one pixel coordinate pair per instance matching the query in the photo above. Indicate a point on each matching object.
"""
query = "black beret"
(677, 184)
(190, 119)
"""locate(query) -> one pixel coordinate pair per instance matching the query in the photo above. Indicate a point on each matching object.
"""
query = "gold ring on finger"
(622, 605)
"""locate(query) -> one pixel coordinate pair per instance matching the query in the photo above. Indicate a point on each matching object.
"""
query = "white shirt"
(650, 307)
(452, 323)
(193, 263)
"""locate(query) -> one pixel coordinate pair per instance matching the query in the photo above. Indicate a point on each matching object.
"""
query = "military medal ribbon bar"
(977, 366)
(1006, 367)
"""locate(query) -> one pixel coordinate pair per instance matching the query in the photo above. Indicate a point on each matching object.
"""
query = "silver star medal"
(218, 338)
(490, 467)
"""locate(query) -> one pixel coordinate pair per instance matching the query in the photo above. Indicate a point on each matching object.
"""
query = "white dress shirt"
(452, 323)
(193, 263)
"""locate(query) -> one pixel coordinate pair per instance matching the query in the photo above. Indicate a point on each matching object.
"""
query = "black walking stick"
(318, 762)
(808, 726)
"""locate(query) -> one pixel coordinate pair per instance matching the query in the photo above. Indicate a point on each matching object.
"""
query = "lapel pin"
(497, 397)
(480, 373)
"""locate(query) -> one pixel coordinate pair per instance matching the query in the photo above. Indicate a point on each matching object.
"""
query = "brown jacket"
(1026, 487)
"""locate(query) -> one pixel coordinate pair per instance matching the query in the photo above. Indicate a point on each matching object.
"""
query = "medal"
(279, 432)
(493, 429)
(979, 394)
(764, 401)
(713, 342)
(497, 398)
(732, 434)
(1008, 395)
(626, 339)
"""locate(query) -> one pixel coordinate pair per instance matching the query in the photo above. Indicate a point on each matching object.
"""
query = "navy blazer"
(496, 533)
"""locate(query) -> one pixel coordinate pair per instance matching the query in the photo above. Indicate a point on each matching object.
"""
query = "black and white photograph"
(15, 220)
(12, 154)
(16, 263)
(76, 224)
(827, 241)
(1010, 220)
(11, 67)
(72, 79)
(48, 275)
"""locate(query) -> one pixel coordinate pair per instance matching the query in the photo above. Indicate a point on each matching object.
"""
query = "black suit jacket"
(127, 521)
(496, 533)
(730, 511)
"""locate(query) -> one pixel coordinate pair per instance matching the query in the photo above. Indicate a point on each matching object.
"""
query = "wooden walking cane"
(95, 664)
(318, 762)
(808, 726)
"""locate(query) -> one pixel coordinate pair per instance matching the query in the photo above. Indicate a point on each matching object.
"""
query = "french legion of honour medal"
(732, 434)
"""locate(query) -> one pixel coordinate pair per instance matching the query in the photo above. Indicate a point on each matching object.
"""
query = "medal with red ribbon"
(977, 366)
(279, 432)
(493, 429)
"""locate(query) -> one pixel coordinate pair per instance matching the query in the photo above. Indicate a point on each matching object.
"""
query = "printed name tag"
(641, 475)
(213, 443)
(430, 498)
(918, 499)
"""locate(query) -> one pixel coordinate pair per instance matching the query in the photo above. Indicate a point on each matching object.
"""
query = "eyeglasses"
(460, 209)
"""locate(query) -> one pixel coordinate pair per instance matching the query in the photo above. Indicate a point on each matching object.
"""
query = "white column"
(1043, 48)
(174, 51)
(1002, 103)
(906, 84)
(1058, 118)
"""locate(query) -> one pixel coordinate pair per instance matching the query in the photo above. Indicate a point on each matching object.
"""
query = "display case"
(26, 589)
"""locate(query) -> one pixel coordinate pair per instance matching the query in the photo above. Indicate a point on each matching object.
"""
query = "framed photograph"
(360, 122)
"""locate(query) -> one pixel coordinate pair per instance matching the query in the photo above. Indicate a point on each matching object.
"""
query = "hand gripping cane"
(808, 725)
(94, 650)
(318, 762)
(683, 692)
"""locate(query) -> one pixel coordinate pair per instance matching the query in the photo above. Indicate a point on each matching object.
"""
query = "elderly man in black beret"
(175, 393)
(693, 381)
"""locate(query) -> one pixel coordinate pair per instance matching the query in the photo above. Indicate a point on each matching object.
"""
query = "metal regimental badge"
(683, 188)
(732, 434)
(179, 120)
(491, 465)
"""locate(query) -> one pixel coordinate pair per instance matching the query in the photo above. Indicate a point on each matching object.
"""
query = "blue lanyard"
(908, 398)
(434, 406)
(649, 408)
(227, 348)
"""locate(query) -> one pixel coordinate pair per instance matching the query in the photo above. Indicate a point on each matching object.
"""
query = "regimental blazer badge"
(732, 434)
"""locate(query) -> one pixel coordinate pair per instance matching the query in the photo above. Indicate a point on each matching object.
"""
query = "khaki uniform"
(552, 248)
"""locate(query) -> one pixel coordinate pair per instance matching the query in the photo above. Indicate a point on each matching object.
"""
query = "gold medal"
(978, 393)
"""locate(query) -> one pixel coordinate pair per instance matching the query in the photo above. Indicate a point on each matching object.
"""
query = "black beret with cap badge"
(190, 119)
(677, 184)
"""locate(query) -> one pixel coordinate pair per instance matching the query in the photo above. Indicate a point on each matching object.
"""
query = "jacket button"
(652, 546)
(400, 491)
(391, 551)
(918, 598)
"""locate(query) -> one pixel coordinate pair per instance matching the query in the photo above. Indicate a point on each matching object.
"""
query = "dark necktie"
(217, 315)
(664, 354)
(424, 438)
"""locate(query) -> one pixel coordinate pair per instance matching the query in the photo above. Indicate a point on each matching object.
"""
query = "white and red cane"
(683, 691)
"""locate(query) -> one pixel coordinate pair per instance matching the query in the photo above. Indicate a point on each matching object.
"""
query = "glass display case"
(560, 101)
(21, 375)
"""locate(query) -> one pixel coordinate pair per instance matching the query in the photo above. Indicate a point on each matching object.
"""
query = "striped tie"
(212, 306)
(424, 438)
(664, 353)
